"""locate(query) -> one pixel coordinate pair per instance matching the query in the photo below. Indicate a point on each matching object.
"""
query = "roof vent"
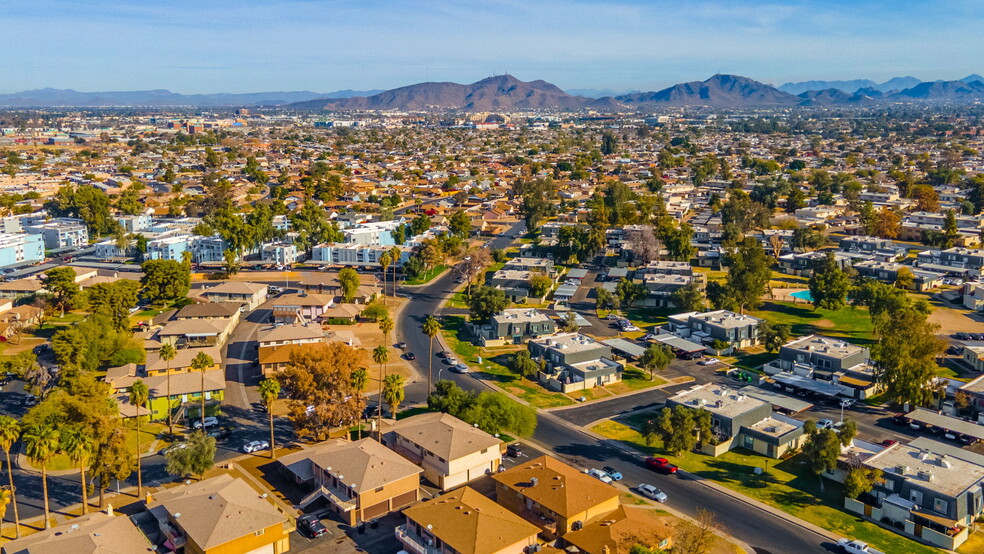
(925, 475)
(901, 470)
(944, 462)
(533, 481)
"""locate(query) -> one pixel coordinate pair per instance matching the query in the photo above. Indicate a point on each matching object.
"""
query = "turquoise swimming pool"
(802, 295)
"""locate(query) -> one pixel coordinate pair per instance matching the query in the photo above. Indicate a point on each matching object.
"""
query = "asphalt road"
(764, 531)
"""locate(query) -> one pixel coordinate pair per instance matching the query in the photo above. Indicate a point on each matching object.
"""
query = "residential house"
(183, 388)
(250, 294)
(220, 515)
(303, 307)
(738, 330)
(450, 451)
(465, 521)
(574, 362)
(357, 255)
(360, 480)
(740, 420)
(95, 533)
(844, 367)
(514, 326)
(621, 530)
(211, 310)
(193, 333)
(20, 288)
(554, 496)
(279, 253)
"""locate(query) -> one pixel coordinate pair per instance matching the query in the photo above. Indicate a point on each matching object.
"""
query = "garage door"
(375, 510)
(404, 499)
(268, 549)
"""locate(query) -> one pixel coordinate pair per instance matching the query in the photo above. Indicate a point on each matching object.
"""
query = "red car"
(661, 465)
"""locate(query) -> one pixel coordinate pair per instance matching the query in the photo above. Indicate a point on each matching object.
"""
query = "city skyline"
(325, 46)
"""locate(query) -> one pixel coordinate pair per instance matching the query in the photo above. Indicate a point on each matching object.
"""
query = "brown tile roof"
(444, 435)
(218, 510)
(560, 487)
(295, 331)
(619, 531)
(96, 533)
(182, 358)
(471, 523)
(279, 354)
(235, 287)
(208, 310)
(365, 463)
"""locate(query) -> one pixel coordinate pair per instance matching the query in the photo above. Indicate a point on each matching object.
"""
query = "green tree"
(459, 224)
(230, 261)
(772, 337)
(139, 395)
(860, 479)
(87, 203)
(60, 282)
(689, 298)
(201, 363)
(496, 413)
(485, 302)
(749, 271)
(114, 300)
(523, 364)
(78, 444)
(540, 284)
(167, 353)
(697, 536)
(10, 431)
(822, 448)
(829, 284)
(165, 281)
(113, 460)
(380, 355)
(348, 278)
(6, 497)
(384, 262)
(431, 327)
(605, 300)
(656, 358)
(449, 398)
(628, 292)
(609, 144)
(906, 353)
(40, 445)
(904, 278)
(269, 392)
(195, 459)
(374, 312)
(393, 392)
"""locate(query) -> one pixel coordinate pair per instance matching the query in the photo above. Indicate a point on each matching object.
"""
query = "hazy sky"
(198, 46)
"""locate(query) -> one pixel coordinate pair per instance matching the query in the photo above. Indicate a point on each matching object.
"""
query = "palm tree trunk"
(13, 496)
(170, 426)
(203, 400)
(273, 455)
(139, 473)
(44, 485)
(430, 364)
(102, 492)
(85, 490)
(379, 408)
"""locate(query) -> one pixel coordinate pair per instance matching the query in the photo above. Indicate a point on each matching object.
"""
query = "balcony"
(540, 520)
(413, 542)
(333, 495)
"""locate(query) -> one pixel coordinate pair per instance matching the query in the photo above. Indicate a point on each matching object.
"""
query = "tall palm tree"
(139, 395)
(380, 355)
(395, 254)
(201, 363)
(77, 443)
(269, 392)
(360, 378)
(167, 353)
(393, 391)
(6, 497)
(384, 261)
(10, 431)
(40, 445)
(431, 328)
(386, 327)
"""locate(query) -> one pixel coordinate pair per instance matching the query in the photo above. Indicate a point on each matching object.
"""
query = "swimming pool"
(802, 295)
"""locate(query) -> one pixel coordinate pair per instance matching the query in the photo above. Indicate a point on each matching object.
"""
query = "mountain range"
(505, 93)
(49, 97)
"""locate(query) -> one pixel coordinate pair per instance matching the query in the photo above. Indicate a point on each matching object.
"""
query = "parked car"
(600, 475)
(889, 442)
(311, 526)
(255, 446)
(210, 421)
(650, 336)
(649, 491)
(901, 419)
(410, 356)
(825, 424)
(709, 361)
(30, 400)
(856, 547)
(615, 474)
(661, 465)
(274, 289)
(611, 317)
(514, 450)
(459, 368)
(220, 434)
(401, 345)
(443, 354)
(172, 448)
(628, 328)
(847, 403)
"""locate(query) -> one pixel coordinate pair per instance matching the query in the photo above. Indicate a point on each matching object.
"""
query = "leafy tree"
(6, 497)
(829, 284)
(321, 376)
(459, 224)
(656, 358)
(431, 327)
(449, 398)
(689, 298)
(496, 413)
(348, 278)
(419, 225)
(269, 392)
(860, 480)
(380, 355)
(114, 301)
(374, 312)
(87, 203)
(393, 392)
(523, 364)
(230, 261)
(906, 353)
(605, 300)
(749, 271)
(165, 281)
(60, 282)
(609, 144)
(485, 302)
(78, 444)
(772, 337)
(904, 278)
(10, 431)
(540, 284)
(628, 292)
(822, 447)
(887, 224)
(41, 445)
(807, 239)
(195, 459)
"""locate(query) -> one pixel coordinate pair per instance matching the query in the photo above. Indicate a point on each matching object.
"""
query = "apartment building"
(514, 326)
(738, 330)
(20, 249)
(574, 362)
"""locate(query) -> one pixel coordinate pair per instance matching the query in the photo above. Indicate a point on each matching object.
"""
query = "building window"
(940, 505)
(260, 532)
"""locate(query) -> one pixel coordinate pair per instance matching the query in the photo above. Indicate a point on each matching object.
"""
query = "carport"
(948, 423)
(624, 348)
(818, 387)
(778, 400)
(682, 346)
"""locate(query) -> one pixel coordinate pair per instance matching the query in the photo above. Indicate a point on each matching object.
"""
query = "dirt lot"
(953, 320)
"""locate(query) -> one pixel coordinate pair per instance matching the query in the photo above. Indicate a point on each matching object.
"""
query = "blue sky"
(200, 46)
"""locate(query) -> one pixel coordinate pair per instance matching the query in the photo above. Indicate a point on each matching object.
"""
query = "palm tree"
(201, 363)
(380, 355)
(269, 392)
(10, 431)
(393, 391)
(77, 443)
(431, 328)
(139, 394)
(386, 327)
(6, 497)
(384, 261)
(360, 378)
(40, 445)
(167, 354)
(395, 254)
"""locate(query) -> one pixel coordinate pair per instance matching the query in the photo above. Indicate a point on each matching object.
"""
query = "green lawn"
(787, 485)
(852, 324)
(753, 361)
(647, 317)
(428, 276)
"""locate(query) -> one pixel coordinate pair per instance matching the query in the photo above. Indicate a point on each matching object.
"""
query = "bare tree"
(697, 536)
(645, 246)
(777, 244)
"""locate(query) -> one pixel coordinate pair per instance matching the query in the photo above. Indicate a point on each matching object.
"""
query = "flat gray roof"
(565, 291)
(626, 347)
(680, 343)
(577, 273)
(927, 443)
(922, 415)
(782, 401)
(820, 387)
